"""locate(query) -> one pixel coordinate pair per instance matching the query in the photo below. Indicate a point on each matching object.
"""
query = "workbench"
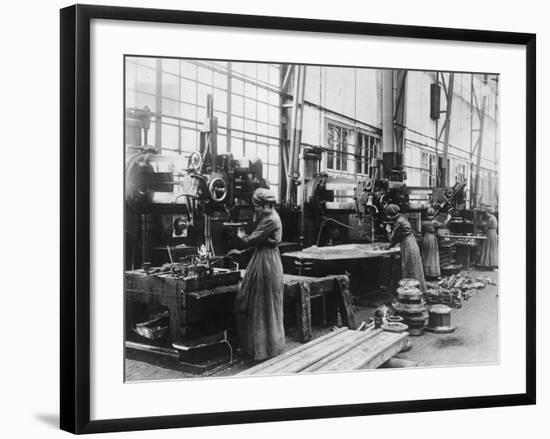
(208, 310)
(368, 265)
(196, 308)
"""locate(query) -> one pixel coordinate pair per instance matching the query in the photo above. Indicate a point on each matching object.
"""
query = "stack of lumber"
(341, 350)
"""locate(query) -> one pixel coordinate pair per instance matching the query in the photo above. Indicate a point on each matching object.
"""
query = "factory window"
(246, 103)
(460, 172)
(366, 152)
(427, 169)
(339, 143)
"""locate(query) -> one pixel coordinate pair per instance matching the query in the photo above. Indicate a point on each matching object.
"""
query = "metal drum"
(411, 307)
(409, 283)
(394, 327)
(440, 319)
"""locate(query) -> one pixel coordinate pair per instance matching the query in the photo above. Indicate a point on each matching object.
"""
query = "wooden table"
(363, 262)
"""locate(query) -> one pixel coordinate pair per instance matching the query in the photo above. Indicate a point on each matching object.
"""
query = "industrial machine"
(181, 214)
(185, 199)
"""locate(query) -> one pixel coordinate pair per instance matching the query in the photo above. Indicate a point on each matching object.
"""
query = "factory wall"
(343, 110)
(351, 99)
(342, 114)
(421, 133)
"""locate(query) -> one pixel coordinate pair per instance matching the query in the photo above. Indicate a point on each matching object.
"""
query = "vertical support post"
(296, 127)
(387, 121)
(158, 103)
(447, 127)
(479, 148)
(470, 191)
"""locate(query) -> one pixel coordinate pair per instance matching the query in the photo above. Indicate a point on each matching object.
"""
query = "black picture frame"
(75, 216)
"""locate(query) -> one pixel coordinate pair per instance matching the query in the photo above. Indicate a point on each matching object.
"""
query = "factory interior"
(286, 218)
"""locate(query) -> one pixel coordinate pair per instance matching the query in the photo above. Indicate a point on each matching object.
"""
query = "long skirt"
(489, 251)
(411, 262)
(259, 305)
(430, 255)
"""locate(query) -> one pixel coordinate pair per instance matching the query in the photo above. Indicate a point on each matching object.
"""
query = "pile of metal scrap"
(453, 290)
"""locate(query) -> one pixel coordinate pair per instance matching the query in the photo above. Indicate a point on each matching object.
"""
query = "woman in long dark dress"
(402, 233)
(259, 302)
(489, 251)
(430, 246)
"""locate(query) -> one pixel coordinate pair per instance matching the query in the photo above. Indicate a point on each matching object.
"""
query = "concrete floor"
(475, 341)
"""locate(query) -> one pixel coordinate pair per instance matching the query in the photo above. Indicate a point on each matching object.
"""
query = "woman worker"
(489, 251)
(259, 302)
(430, 247)
(402, 232)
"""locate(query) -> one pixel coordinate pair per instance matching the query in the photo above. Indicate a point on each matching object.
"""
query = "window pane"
(273, 115)
(170, 86)
(273, 130)
(169, 136)
(250, 90)
(274, 155)
(250, 108)
(171, 66)
(262, 94)
(222, 144)
(262, 152)
(130, 75)
(237, 67)
(273, 98)
(144, 61)
(250, 150)
(170, 107)
(205, 75)
(188, 140)
(143, 100)
(188, 111)
(274, 76)
(188, 91)
(146, 79)
(237, 86)
(250, 70)
(220, 80)
(237, 147)
(262, 129)
(188, 70)
(249, 126)
(130, 98)
(273, 174)
(263, 72)
(237, 105)
(262, 112)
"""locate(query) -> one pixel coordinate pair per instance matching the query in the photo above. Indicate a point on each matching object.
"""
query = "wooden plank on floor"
(343, 349)
(260, 367)
(369, 355)
(305, 359)
(298, 361)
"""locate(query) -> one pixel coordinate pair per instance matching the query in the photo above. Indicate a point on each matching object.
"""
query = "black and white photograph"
(288, 219)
